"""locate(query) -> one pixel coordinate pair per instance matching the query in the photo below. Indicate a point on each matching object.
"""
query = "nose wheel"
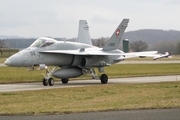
(49, 81)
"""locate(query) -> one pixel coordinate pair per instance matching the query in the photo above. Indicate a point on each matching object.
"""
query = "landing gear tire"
(104, 79)
(51, 81)
(45, 82)
(65, 81)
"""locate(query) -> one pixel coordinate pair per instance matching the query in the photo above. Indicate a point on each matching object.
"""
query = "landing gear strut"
(47, 78)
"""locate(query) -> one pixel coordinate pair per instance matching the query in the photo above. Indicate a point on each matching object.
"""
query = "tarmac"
(83, 83)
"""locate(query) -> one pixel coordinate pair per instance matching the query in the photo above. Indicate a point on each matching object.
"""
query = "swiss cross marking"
(117, 32)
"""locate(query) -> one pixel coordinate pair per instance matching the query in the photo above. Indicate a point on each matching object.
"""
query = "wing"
(100, 52)
(84, 52)
(138, 54)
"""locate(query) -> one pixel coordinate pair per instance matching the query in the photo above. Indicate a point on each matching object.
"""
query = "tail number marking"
(111, 44)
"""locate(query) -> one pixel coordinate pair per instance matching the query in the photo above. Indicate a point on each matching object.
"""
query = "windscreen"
(43, 42)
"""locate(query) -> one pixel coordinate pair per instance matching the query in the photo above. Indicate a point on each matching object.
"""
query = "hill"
(160, 40)
(8, 37)
(152, 36)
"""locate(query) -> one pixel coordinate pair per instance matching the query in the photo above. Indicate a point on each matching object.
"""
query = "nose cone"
(7, 62)
(15, 61)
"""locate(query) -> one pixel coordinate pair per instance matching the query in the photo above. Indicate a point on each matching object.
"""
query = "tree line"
(135, 46)
(140, 40)
(139, 45)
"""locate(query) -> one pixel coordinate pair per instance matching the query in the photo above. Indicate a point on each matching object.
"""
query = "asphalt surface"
(82, 83)
(2, 64)
(151, 114)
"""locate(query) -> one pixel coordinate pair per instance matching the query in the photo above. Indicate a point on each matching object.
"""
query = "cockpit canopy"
(43, 42)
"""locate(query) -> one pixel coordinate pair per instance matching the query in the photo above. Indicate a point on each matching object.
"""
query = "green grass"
(6, 54)
(93, 98)
(19, 75)
(133, 70)
(2, 60)
(13, 75)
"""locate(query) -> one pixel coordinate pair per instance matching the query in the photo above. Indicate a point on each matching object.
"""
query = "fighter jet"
(73, 59)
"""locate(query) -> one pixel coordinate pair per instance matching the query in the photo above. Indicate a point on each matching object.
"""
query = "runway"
(151, 114)
(82, 83)
(2, 65)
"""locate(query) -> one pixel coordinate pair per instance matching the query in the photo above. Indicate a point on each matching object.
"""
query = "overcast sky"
(60, 18)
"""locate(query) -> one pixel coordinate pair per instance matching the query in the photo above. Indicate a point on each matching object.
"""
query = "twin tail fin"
(116, 37)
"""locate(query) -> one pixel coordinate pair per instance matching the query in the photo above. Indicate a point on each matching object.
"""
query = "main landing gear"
(103, 77)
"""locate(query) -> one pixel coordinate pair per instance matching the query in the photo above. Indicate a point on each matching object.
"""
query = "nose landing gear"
(47, 78)
(49, 81)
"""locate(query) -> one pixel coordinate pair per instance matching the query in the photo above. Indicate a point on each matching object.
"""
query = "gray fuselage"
(33, 56)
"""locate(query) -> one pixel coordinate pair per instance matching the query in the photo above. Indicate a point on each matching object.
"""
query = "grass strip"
(17, 75)
(92, 98)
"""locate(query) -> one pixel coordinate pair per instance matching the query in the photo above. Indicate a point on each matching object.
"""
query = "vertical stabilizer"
(116, 37)
(83, 33)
